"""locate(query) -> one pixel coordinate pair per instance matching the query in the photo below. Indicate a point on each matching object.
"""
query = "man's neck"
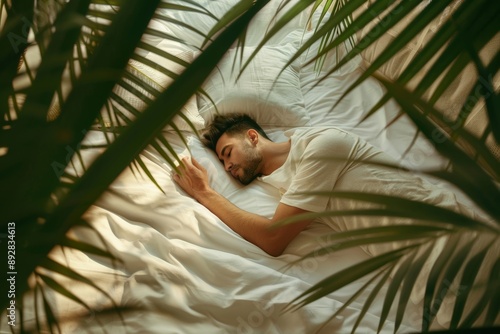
(274, 156)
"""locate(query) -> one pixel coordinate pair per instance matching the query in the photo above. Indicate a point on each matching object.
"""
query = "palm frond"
(104, 60)
(372, 296)
(375, 290)
(420, 234)
(449, 50)
(48, 316)
(71, 121)
(469, 275)
(409, 283)
(410, 209)
(469, 176)
(346, 276)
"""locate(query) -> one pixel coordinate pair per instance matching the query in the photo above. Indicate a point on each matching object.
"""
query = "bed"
(181, 269)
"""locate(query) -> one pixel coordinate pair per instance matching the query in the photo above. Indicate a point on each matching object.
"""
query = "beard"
(250, 167)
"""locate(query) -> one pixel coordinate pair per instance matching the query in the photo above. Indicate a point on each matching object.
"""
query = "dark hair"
(233, 123)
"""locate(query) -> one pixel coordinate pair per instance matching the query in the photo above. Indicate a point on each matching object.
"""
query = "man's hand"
(193, 177)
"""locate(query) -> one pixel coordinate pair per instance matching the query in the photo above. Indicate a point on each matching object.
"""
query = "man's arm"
(252, 227)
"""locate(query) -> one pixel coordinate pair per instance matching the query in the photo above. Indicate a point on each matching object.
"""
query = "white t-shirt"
(322, 160)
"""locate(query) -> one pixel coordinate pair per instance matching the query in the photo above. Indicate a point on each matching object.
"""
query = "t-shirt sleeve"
(325, 159)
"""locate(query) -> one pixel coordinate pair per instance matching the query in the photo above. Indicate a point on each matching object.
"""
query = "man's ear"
(253, 135)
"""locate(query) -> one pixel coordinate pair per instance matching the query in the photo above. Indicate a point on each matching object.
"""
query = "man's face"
(239, 156)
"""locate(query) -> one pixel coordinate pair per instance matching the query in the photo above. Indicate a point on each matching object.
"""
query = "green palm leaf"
(346, 276)
(383, 234)
(428, 14)
(84, 192)
(334, 22)
(469, 275)
(394, 286)
(228, 17)
(49, 314)
(52, 283)
(411, 208)
(367, 304)
(474, 180)
(493, 308)
(372, 296)
(13, 43)
(408, 284)
(68, 272)
(488, 297)
(432, 281)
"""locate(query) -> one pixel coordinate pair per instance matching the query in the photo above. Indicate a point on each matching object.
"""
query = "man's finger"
(198, 165)
(185, 163)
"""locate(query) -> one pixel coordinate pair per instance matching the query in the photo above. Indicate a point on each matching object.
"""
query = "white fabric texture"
(322, 159)
(331, 159)
(271, 96)
(212, 10)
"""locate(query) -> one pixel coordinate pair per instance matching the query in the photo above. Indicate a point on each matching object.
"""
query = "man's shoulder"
(317, 132)
(317, 143)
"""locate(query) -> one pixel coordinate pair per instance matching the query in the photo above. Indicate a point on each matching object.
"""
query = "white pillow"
(202, 18)
(298, 37)
(204, 22)
(269, 15)
(270, 97)
(156, 79)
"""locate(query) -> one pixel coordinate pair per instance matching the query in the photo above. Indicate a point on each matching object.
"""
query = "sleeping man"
(321, 160)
